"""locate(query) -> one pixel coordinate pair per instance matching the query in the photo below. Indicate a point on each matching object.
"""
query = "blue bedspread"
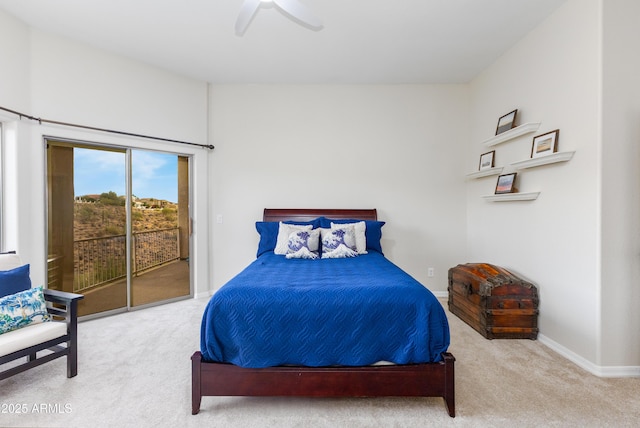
(350, 312)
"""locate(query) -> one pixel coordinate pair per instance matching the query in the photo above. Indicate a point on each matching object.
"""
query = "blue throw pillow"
(15, 280)
(268, 231)
(373, 231)
(374, 235)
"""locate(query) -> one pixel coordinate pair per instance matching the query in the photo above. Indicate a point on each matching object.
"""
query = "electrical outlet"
(219, 219)
(430, 272)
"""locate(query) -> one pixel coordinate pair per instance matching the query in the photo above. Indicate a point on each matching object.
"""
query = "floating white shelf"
(485, 173)
(507, 197)
(523, 129)
(543, 160)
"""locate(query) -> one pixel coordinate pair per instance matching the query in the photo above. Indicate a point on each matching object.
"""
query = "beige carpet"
(134, 371)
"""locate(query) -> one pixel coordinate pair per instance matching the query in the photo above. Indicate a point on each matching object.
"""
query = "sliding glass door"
(160, 227)
(118, 229)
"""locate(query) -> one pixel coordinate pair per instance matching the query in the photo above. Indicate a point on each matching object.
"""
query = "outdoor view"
(102, 219)
(158, 265)
(100, 216)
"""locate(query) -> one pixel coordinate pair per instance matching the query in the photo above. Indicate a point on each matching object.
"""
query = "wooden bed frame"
(411, 380)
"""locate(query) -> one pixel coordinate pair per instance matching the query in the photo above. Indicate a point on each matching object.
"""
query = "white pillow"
(359, 233)
(284, 230)
(9, 261)
(303, 244)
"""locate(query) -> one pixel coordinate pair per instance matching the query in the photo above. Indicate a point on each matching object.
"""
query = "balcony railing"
(99, 261)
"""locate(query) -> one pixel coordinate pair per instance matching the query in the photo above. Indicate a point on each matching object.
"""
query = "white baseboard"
(204, 295)
(600, 371)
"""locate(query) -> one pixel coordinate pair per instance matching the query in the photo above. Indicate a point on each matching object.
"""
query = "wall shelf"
(507, 197)
(484, 173)
(523, 129)
(543, 160)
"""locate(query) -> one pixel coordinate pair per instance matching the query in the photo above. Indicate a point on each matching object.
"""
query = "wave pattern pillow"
(303, 244)
(284, 231)
(22, 309)
(373, 230)
(359, 230)
(339, 243)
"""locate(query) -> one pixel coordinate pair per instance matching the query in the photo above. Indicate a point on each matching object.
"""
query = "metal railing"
(102, 260)
(154, 248)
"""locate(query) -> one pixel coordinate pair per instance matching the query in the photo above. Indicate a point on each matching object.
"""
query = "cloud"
(98, 171)
(154, 175)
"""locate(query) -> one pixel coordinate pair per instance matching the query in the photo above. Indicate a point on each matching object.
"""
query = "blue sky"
(154, 175)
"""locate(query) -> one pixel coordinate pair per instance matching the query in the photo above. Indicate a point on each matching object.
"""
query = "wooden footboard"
(414, 380)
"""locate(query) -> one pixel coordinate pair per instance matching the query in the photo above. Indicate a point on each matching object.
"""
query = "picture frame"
(487, 160)
(506, 122)
(545, 144)
(505, 183)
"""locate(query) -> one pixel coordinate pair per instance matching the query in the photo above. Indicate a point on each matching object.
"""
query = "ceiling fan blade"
(299, 11)
(248, 10)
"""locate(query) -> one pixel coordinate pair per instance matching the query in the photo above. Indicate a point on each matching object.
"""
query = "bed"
(238, 358)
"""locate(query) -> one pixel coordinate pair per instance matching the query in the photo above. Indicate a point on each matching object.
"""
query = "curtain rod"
(111, 131)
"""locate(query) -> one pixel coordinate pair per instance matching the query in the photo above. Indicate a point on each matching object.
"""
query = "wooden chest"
(495, 302)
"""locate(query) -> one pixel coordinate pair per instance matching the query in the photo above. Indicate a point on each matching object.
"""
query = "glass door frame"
(127, 150)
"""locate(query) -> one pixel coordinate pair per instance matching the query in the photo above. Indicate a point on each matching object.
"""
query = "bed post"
(196, 392)
(449, 384)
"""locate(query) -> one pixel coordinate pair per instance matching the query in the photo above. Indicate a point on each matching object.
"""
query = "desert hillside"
(95, 219)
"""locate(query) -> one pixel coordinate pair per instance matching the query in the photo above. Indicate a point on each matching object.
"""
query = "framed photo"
(545, 144)
(506, 122)
(487, 160)
(506, 183)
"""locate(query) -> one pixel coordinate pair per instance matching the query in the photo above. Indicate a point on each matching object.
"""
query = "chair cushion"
(9, 261)
(31, 335)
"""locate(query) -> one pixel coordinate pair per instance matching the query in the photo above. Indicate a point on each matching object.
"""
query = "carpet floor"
(135, 370)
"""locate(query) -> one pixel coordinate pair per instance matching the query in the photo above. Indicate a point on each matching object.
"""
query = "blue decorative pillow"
(374, 235)
(268, 231)
(14, 280)
(303, 244)
(338, 243)
(373, 231)
(22, 309)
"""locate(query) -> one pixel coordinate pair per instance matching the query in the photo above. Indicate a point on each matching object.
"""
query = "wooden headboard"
(307, 214)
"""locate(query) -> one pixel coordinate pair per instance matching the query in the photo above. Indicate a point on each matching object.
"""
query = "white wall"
(621, 184)
(394, 148)
(552, 76)
(15, 94)
(578, 71)
(72, 83)
(14, 62)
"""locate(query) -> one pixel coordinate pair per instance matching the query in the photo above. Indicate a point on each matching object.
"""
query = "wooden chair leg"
(72, 344)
